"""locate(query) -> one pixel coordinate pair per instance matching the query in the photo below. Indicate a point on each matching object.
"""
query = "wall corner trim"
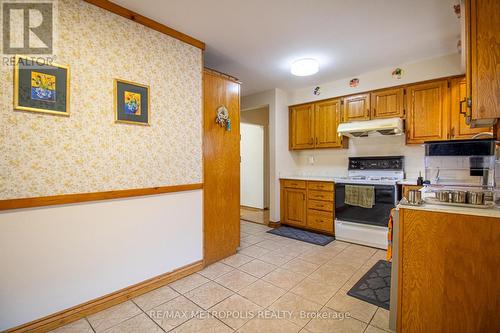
(94, 196)
(124, 12)
(67, 316)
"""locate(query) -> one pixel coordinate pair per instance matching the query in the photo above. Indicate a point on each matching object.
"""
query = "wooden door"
(295, 206)
(387, 103)
(327, 119)
(483, 56)
(221, 161)
(357, 107)
(428, 112)
(459, 128)
(301, 126)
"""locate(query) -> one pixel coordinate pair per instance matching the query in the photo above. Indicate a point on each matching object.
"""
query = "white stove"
(368, 226)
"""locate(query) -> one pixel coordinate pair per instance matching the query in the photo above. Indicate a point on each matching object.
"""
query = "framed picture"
(131, 103)
(40, 87)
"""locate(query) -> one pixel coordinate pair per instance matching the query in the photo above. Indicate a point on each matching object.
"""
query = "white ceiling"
(256, 40)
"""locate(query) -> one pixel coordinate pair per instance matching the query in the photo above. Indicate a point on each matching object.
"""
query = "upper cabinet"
(356, 107)
(326, 119)
(459, 128)
(387, 103)
(315, 125)
(482, 40)
(301, 126)
(428, 112)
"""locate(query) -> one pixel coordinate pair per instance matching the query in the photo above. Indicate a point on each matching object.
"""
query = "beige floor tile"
(330, 321)
(251, 239)
(236, 280)
(263, 325)
(236, 260)
(202, 324)
(300, 266)
(316, 257)
(173, 313)
(235, 311)
(254, 251)
(337, 244)
(358, 309)
(353, 280)
(257, 268)
(297, 306)
(108, 318)
(79, 326)
(373, 329)
(283, 278)
(244, 245)
(208, 294)
(381, 319)
(262, 293)
(315, 291)
(276, 259)
(155, 298)
(140, 323)
(270, 245)
(215, 270)
(188, 283)
(289, 251)
(331, 276)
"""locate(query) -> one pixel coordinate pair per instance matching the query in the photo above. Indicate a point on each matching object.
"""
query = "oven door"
(378, 215)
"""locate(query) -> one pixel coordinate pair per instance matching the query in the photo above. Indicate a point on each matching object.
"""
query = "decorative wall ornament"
(39, 87)
(131, 102)
(317, 90)
(397, 73)
(354, 82)
(222, 118)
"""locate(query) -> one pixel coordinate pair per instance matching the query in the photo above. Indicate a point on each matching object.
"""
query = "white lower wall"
(57, 257)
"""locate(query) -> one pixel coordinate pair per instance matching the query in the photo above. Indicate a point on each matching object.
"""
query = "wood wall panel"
(221, 160)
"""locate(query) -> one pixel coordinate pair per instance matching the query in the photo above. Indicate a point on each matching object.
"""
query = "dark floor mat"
(302, 235)
(375, 286)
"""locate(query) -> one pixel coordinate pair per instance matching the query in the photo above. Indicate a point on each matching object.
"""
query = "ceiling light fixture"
(305, 67)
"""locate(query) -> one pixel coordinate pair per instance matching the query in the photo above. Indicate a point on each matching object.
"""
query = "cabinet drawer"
(320, 220)
(321, 186)
(320, 205)
(320, 195)
(294, 183)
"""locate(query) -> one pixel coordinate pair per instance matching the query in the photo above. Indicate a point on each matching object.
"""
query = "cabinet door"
(302, 127)
(428, 112)
(459, 128)
(295, 206)
(326, 119)
(483, 25)
(387, 103)
(357, 107)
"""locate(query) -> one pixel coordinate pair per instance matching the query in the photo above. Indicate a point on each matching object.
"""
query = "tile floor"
(273, 284)
(254, 215)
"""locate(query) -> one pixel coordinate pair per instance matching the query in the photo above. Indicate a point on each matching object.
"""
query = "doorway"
(254, 189)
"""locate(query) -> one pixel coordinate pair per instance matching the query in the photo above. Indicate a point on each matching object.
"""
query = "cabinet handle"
(453, 132)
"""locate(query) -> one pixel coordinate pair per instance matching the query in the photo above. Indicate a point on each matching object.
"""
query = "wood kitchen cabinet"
(308, 204)
(459, 128)
(428, 112)
(356, 107)
(387, 103)
(315, 125)
(482, 40)
(447, 280)
(326, 120)
(302, 126)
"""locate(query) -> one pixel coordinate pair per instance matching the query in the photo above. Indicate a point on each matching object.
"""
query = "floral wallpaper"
(42, 154)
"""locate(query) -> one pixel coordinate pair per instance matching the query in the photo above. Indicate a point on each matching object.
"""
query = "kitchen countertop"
(493, 212)
(408, 182)
(310, 177)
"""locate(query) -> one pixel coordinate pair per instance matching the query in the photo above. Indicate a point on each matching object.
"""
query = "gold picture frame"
(140, 113)
(51, 104)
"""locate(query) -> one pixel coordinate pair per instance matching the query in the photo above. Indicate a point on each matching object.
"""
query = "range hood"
(376, 127)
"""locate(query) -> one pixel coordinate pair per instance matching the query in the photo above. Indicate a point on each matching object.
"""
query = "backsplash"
(333, 162)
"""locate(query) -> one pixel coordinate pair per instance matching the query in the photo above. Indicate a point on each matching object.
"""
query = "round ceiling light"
(305, 67)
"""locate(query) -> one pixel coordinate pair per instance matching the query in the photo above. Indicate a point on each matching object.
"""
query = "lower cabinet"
(308, 204)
